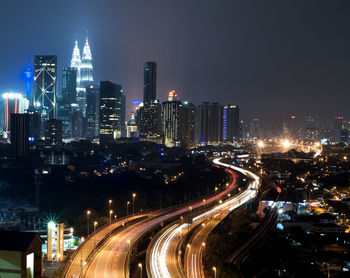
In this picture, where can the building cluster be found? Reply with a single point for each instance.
(309, 128)
(96, 112)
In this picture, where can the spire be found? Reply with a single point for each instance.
(76, 61)
(86, 57)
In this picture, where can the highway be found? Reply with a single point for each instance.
(75, 264)
(112, 259)
(163, 259)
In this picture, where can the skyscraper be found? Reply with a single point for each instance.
(187, 121)
(111, 112)
(150, 123)
(86, 68)
(231, 125)
(170, 123)
(45, 87)
(92, 112)
(84, 72)
(210, 123)
(150, 83)
(69, 85)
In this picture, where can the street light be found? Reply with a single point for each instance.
(87, 217)
(95, 224)
(110, 217)
(127, 208)
(140, 267)
(190, 209)
(109, 204)
(133, 203)
(214, 269)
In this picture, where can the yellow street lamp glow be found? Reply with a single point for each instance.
(140, 265)
(88, 212)
(261, 144)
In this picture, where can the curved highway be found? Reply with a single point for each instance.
(112, 259)
(163, 260)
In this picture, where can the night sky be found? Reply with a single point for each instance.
(273, 58)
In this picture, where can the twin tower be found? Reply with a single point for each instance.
(84, 67)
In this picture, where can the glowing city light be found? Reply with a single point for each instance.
(286, 143)
(261, 144)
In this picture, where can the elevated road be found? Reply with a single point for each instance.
(163, 258)
(112, 259)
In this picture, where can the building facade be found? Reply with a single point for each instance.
(112, 104)
(150, 83)
(45, 86)
(92, 112)
(231, 123)
(210, 123)
(20, 134)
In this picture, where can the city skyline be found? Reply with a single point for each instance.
(224, 66)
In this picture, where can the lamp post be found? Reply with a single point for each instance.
(127, 208)
(95, 224)
(133, 203)
(140, 267)
(110, 217)
(214, 269)
(87, 218)
(109, 204)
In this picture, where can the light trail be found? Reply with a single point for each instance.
(159, 259)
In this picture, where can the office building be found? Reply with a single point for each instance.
(45, 87)
(34, 125)
(112, 104)
(20, 134)
(231, 124)
(92, 112)
(150, 83)
(210, 123)
(53, 133)
(149, 122)
(170, 123)
(187, 122)
(69, 85)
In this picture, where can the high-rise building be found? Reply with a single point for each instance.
(150, 83)
(45, 87)
(231, 124)
(210, 123)
(187, 121)
(112, 104)
(171, 122)
(53, 133)
(20, 134)
(69, 85)
(86, 68)
(149, 122)
(92, 112)
(76, 62)
(34, 125)
(84, 72)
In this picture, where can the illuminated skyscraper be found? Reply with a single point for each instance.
(86, 68)
(231, 125)
(84, 72)
(76, 61)
(112, 116)
(149, 122)
(45, 87)
(150, 83)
